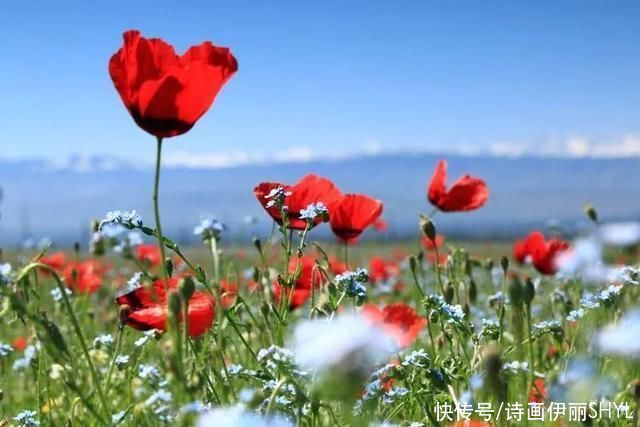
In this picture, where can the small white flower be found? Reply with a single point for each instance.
(621, 338)
(128, 219)
(347, 341)
(5, 271)
(57, 294)
(5, 350)
(313, 211)
(103, 340)
(118, 417)
(159, 396)
(26, 418)
(209, 228)
(148, 372)
(121, 360)
(238, 416)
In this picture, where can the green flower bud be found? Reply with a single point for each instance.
(187, 288)
(427, 227)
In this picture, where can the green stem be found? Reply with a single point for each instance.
(76, 328)
(116, 351)
(156, 211)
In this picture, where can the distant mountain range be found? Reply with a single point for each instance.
(58, 201)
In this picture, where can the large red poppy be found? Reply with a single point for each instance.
(147, 308)
(466, 194)
(310, 189)
(398, 320)
(542, 253)
(149, 253)
(84, 276)
(351, 214)
(310, 277)
(166, 93)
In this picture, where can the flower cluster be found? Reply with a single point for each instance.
(209, 228)
(353, 283)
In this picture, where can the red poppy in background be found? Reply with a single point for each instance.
(228, 293)
(381, 270)
(336, 265)
(149, 253)
(542, 253)
(398, 320)
(351, 214)
(147, 308)
(165, 93)
(309, 278)
(19, 343)
(310, 189)
(84, 276)
(431, 246)
(56, 260)
(466, 194)
(380, 225)
(538, 392)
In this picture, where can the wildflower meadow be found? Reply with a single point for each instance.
(295, 330)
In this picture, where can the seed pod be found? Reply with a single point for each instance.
(258, 244)
(168, 263)
(591, 212)
(175, 305)
(187, 288)
(504, 263)
(516, 292)
(449, 293)
(529, 291)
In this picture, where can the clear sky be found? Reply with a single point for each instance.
(330, 76)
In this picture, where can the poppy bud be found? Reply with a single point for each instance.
(529, 291)
(504, 263)
(449, 293)
(168, 264)
(473, 291)
(258, 244)
(175, 305)
(200, 276)
(76, 248)
(427, 227)
(187, 288)
(591, 212)
(516, 292)
(125, 310)
(466, 309)
(420, 256)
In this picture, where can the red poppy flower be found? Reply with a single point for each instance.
(165, 93)
(310, 189)
(542, 253)
(398, 320)
(56, 260)
(228, 293)
(19, 343)
(538, 392)
(149, 254)
(309, 278)
(380, 225)
(147, 308)
(85, 276)
(351, 214)
(381, 270)
(466, 194)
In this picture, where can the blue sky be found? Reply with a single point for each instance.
(332, 76)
